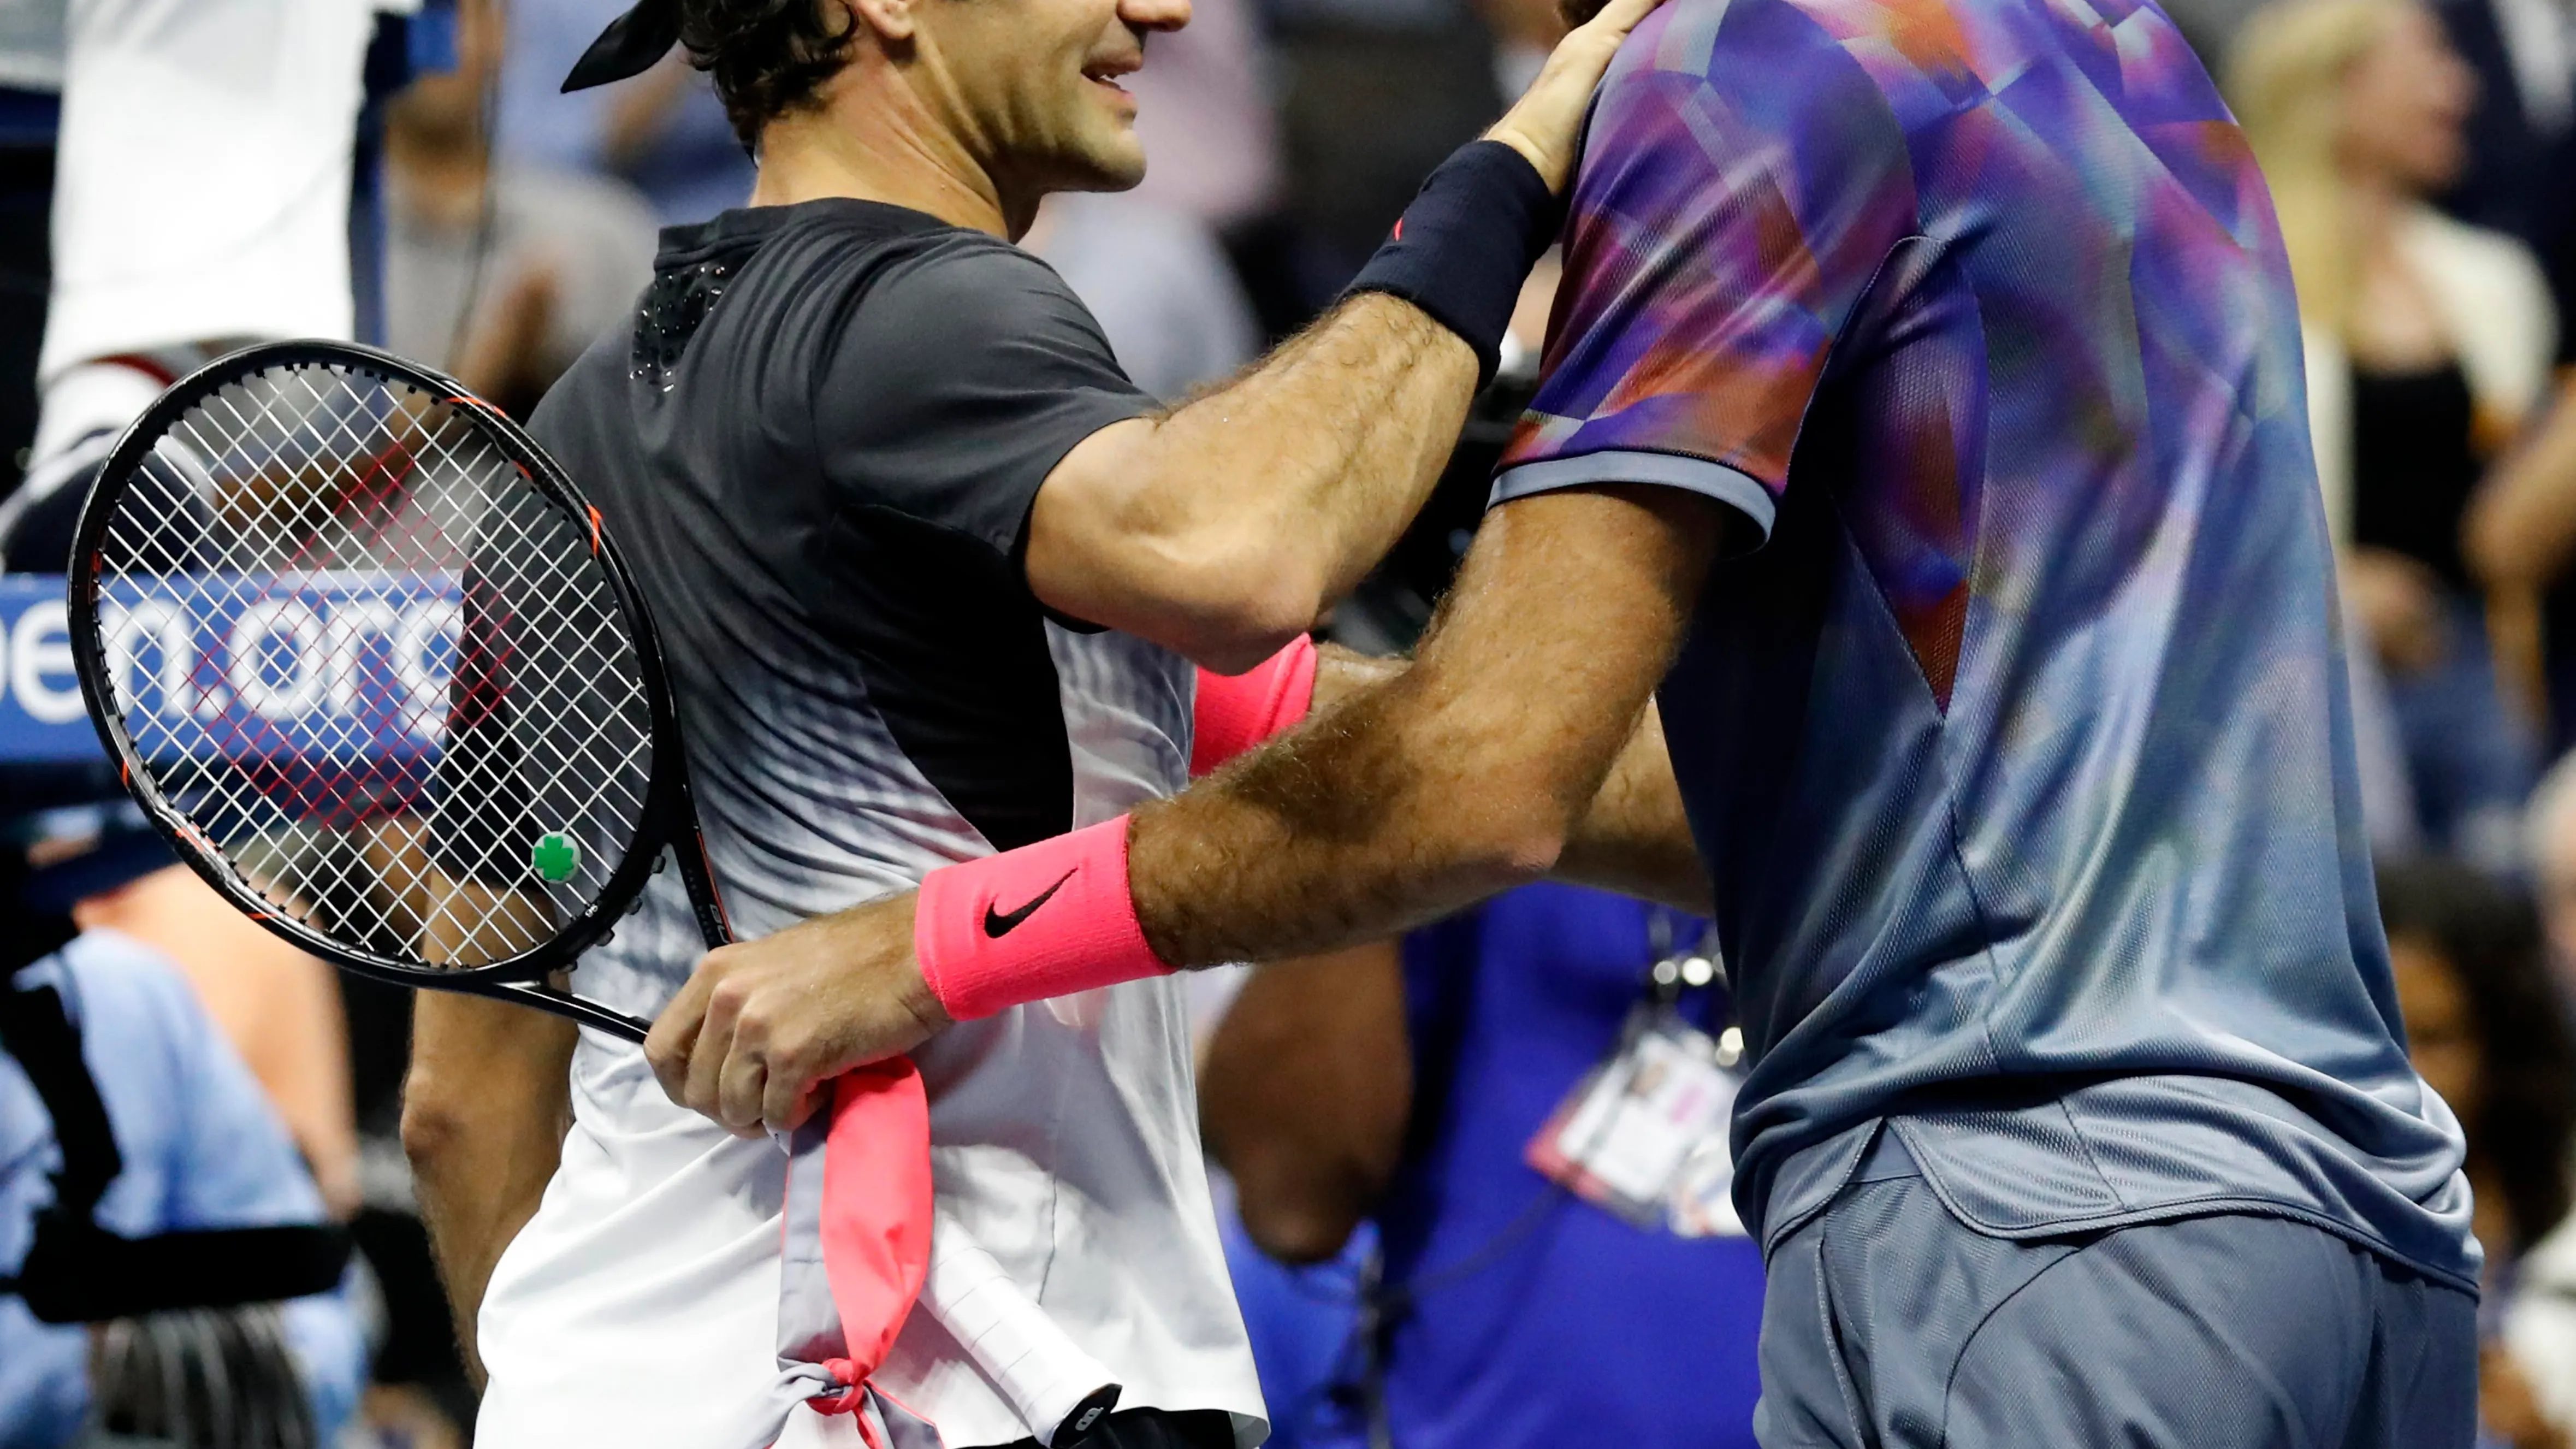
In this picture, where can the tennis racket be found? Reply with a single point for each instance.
(375, 668)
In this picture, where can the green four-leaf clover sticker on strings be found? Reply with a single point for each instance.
(556, 856)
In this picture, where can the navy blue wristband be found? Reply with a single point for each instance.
(1466, 244)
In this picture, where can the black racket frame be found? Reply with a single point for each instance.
(670, 813)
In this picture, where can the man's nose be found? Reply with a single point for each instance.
(1155, 14)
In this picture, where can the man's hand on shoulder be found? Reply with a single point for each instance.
(1223, 528)
(762, 1024)
(1546, 123)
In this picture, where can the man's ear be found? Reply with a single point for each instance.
(892, 21)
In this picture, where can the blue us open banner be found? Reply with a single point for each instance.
(41, 718)
(315, 668)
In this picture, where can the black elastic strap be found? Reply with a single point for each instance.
(1156, 1429)
(78, 1272)
(1466, 245)
(632, 44)
(35, 1031)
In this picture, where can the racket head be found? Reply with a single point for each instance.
(369, 661)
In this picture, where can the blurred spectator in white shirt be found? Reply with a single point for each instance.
(197, 192)
(2428, 347)
(2521, 173)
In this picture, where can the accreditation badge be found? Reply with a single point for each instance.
(1644, 1134)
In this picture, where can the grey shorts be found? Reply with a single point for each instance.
(1888, 1322)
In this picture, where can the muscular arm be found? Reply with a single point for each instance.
(485, 1108)
(1305, 1095)
(1223, 528)
(1307, 1089)
(1632, 839)
(1468, 774)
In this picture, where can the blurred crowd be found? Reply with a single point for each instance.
(1414, 1268)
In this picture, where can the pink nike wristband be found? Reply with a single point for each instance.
(1237, 712)
(1044, 920)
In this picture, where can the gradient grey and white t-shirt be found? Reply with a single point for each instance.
(818, 449)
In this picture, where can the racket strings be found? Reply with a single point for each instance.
(380, 673)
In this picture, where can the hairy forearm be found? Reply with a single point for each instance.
(1337, 440)
(1342, 831)
(1224, 527)
(485, 1108)
(1461, 777)
(1633, 838)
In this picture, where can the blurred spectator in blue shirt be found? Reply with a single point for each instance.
(662, 131)
(1404, 1086)
(199, 1143)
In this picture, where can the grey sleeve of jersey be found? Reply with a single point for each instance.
(960, 378)
(1621, 465)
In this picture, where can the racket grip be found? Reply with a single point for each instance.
(1060, 1391)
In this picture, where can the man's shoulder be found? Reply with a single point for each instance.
(877, 242)
(840, 273)
(1704, 86)
(1719, 41)
(595, 380)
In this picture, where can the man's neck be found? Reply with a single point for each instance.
(873, 138)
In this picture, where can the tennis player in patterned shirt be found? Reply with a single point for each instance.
(1923, 429)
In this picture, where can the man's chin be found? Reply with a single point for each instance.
(1107, 170)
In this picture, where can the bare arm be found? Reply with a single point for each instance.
(1305, 1096)
(2521, 528)
(1467, 775)
(485, 1108)
(1632, 839)
(1224, 528)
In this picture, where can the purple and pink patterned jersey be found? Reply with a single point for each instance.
(2020, 751)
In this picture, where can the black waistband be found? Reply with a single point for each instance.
(1158, 1429)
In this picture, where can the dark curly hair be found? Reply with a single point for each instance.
(768, 57)
(2491, 936)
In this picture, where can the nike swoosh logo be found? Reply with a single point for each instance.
(998, 924)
